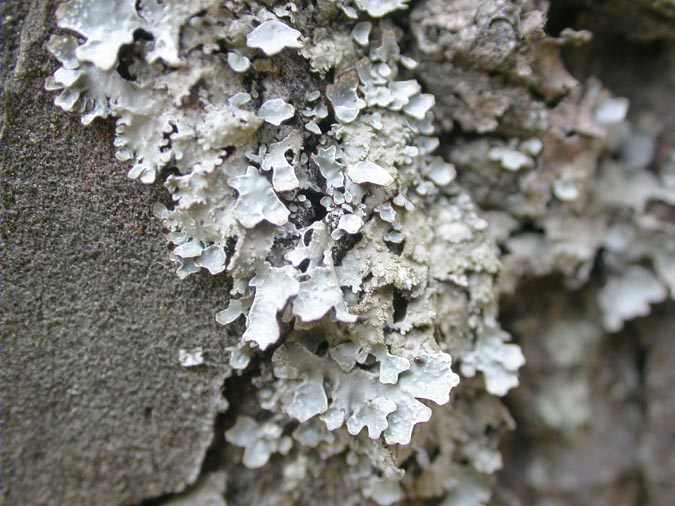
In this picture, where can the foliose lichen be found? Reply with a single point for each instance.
(300, 163)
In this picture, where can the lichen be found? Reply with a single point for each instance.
(363, 270)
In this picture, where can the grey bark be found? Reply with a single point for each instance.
(95, 407)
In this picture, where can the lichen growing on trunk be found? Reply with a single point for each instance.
(371, 181)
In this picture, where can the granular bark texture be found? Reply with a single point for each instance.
(96, 408)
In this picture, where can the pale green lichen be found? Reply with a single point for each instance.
(345, 238)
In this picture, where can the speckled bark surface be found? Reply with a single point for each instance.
(96, 408)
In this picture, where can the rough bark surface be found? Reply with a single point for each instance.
(96, 408)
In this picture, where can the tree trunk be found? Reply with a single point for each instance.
(100, 401)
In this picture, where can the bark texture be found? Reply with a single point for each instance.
(95, 409)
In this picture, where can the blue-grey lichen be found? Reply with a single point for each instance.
(565, 184)
(354, 255)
